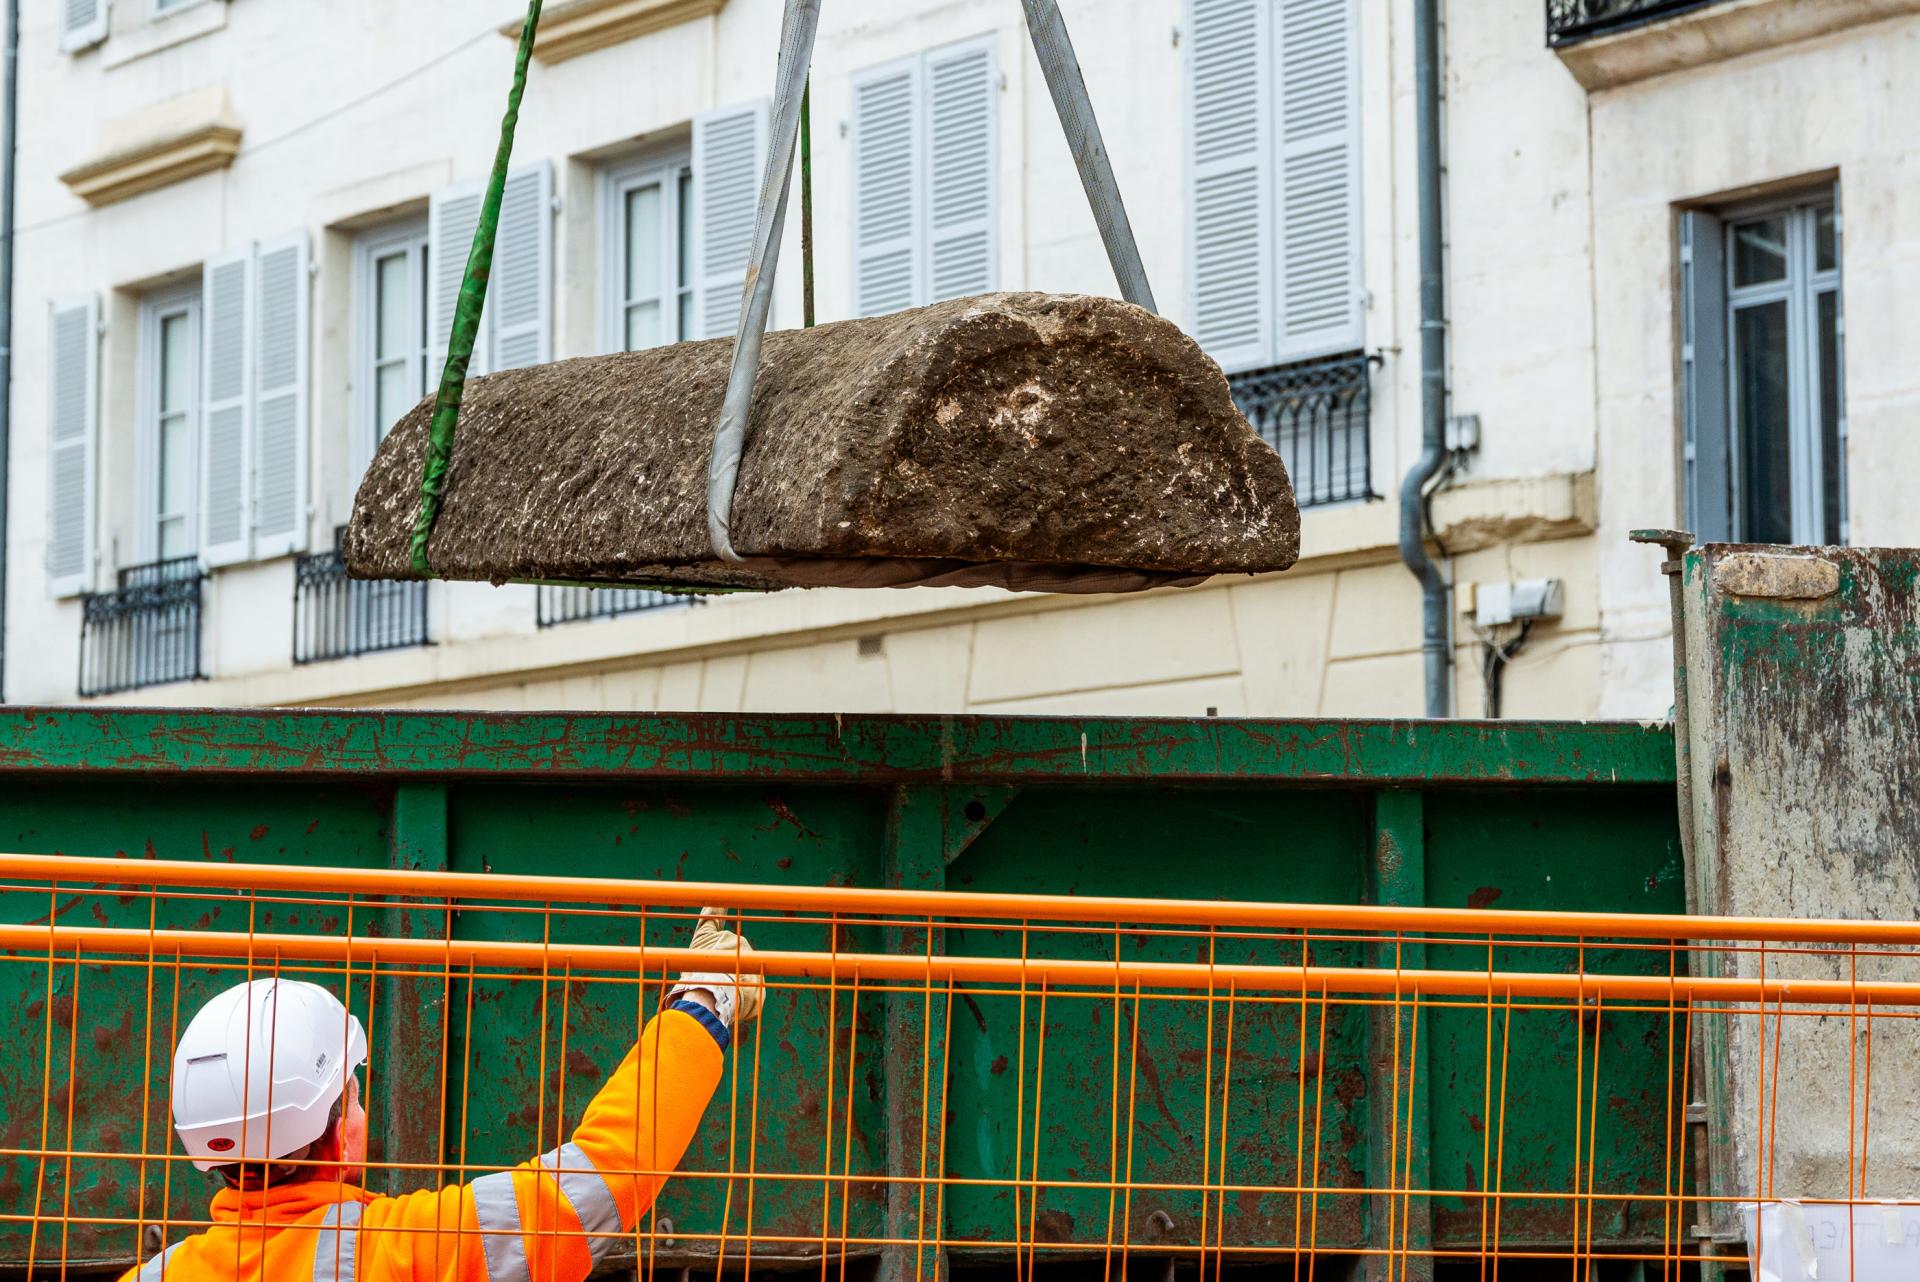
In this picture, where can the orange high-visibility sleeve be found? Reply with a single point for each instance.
(553, 1218)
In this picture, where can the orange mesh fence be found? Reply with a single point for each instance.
(947, 1083)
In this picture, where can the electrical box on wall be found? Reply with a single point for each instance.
(1518, 602)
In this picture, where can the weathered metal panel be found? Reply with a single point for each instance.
(1550, 815)
(846, 749)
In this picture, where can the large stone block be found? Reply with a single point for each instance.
(1051, 442)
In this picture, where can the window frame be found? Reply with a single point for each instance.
(1800, 289)
(155, 308)
(158, 9)
(369, 247)
(667, 167)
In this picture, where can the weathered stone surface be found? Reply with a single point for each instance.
(1027, 440)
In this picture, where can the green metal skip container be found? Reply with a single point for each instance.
(1505, 815)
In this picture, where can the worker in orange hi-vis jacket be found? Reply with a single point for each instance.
(265, 1094)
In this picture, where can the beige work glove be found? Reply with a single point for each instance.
(737, 996)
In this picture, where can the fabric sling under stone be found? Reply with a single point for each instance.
(799, 22)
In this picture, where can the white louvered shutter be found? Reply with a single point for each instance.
(280, 397)
(72, 430)
(729, 153)
(960, 93)
(226, 411)
(1229, 180)
(453, 215)
(520, 291)
(1319, 177)
(82, 23)
(885, 190)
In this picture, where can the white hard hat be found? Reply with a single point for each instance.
(259, 1068)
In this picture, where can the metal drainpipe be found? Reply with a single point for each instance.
(1435, 647)
(10, 104)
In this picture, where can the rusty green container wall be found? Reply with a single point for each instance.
(1510, 814)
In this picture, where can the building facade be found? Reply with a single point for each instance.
(1681, 238)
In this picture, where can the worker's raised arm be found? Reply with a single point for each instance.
(554, 1218)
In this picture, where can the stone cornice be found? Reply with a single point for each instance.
(574, 27)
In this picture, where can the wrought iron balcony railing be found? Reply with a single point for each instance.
(336, 617)
(146, 632)
(1316, 415)
(1569, 21)
(570, 605)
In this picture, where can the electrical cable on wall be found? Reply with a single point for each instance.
(1495, 655)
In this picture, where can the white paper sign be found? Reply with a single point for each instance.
(1821, 1242)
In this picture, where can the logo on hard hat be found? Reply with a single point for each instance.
(219, 1143)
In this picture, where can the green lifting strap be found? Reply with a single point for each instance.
(466, 312)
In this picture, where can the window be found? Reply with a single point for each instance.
(1765, 446)
(924, 160)
(647, 250)
(170, 423)
(394, 366)
(1273, 180)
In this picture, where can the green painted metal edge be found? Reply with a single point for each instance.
(826, 748)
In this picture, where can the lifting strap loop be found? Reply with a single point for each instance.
(466, 312)
(797, 26)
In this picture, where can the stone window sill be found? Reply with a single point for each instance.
(574, 27)
(166, 143)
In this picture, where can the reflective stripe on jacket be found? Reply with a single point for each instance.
(536, 1221)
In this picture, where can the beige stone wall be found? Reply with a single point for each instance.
(1334, 642)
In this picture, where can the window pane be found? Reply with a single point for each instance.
(174, 540)
(390, 306)
(1832, 463)
(391, 395)
(431, 361)
(1760, 392)
(643, 243)
(176, 355)
(686, 315)
(176, 463)
(643, 326)
(1826, 245)
(1760, 251)
(685, 269)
